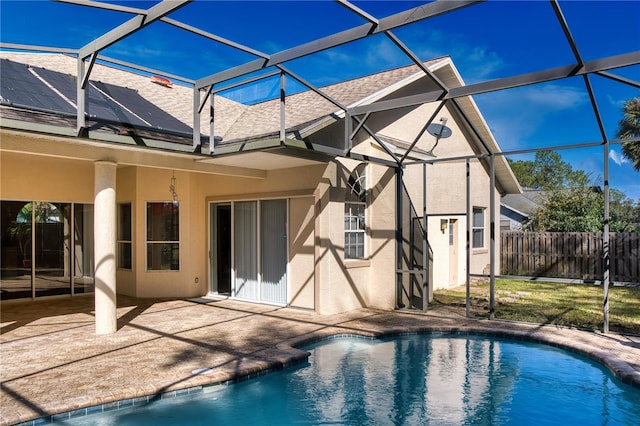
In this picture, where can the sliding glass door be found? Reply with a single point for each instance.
(44, 247)
(245, 253)
(248, 243)
(52, 250)
(15, 244)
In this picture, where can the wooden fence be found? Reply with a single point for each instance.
(574, 255)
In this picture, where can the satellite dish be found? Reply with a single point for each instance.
(439, 130)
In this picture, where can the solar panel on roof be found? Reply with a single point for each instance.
(52, 91)
(21, 88)
(98, 105)
(155, 116)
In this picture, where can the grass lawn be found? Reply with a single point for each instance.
(572, 305)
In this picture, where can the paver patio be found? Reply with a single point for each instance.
(52, 361)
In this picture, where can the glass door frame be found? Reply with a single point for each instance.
(68, 242)
(212, 250)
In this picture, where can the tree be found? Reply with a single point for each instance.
(547, 172)
(629, 127)
(570, 210)
(571, 201)
(625, 216)
(582, 210)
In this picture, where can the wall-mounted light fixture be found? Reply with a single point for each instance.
(444, 224)
(173, 187)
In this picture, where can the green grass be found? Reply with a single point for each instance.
(571, 305)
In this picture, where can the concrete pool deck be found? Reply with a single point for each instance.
(52, 362)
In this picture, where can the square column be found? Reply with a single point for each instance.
(104, 216)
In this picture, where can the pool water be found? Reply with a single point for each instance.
(409, 380)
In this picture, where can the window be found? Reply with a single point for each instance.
(478, 227)
(163, 245)
(46, 249)
(124, 236)
(355, 228)
(355, 225)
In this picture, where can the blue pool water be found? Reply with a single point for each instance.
(409, 380)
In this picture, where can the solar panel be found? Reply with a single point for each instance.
(155, 116)
(98, 106)
(21, 88)
(52, 91)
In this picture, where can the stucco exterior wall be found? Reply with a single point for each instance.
(152, 185)
(301, 291)
(341, 287)
(382, 247)
(446, 192)
(36, 178)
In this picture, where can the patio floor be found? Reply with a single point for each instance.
(52, 362)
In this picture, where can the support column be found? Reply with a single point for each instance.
(81, 97)
(399, 217)
(104, 235)
(283, 97)
(606, 277)
(492, 238)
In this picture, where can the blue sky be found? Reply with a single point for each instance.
(492, 40)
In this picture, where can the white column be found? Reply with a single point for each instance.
(104, 217)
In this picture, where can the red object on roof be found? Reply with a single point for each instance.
(161, 81)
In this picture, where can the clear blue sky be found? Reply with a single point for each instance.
(492, 40)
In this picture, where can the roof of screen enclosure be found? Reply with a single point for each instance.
(212, 77)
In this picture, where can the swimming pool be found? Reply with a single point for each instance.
(409, 380)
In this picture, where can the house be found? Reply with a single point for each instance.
(516, 209)
(288, 215)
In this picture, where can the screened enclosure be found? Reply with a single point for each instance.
(547, 76)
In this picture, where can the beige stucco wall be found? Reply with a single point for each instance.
(382, 247)
(340, 285)
(140, 185)
(36, 178)
(446, 190)
(346, 284)
(301, 289)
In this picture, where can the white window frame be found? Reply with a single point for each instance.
(359, 229)
(475, 228)
(120, 241)
(356, 196)
(148, 242)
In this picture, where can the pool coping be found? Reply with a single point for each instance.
(288, 354)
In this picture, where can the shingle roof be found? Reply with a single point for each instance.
(177, 100)
(233, 121)
(308, 106)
